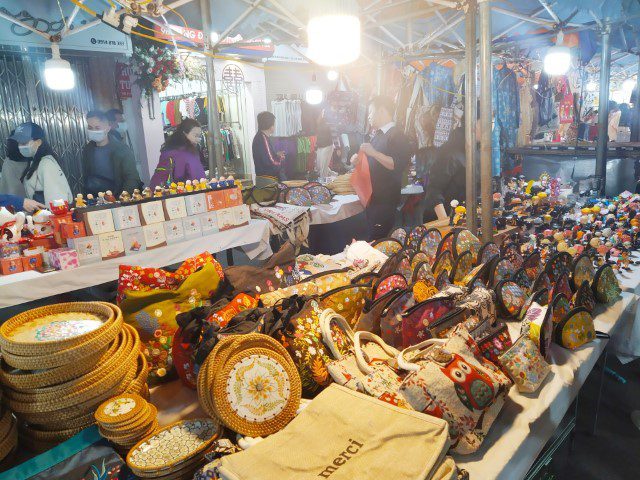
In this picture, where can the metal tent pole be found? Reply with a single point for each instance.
(485, 121)
(636, 130)
(603, 109)
(470, 109)
(214, 137)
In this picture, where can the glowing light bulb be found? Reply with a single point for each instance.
(334, 39)
(58, 74)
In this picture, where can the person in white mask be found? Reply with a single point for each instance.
(43, 179)
(117, 125)
(107, 164)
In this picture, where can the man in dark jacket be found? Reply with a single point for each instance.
(267, 162)
(107, 164)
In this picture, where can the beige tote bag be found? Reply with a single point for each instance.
(346, 435)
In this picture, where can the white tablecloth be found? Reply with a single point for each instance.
(341, 207)
(527, 421)
(27, 286)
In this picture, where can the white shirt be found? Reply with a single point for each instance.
(50, 179)
(387, 127)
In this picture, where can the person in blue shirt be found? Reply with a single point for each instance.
(19, 203)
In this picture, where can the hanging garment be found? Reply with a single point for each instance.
(506, 108)
(170, 113)
(526, 110)
(177, 114)
(201, 115)
(565, 111)
(545, 96)
(439, 87)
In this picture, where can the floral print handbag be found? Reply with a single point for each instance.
(413, 325)
(391, 320)
(450, 379)
(495, 343)
(347, 301)
(511, 298)
(605, 285)
(525, 365)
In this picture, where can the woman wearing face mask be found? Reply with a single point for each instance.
(180, 156)
(12, 167)
(43, 179)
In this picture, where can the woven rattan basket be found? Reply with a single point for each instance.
(10, 441)
(8, 328)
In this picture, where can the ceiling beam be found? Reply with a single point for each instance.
(243, 16)
(285, 11)
(526, 18)
(455, 34)
(547, 7)
(444, 29)
(518, 24)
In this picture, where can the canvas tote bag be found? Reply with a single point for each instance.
(346, 435)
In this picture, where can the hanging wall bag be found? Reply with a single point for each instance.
(525, 365)
(450, 380)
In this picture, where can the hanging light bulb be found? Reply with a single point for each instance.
(629, 84)
(334, 32)
(313, 95)
(592, 86)
(558, 58)
(267, 40)
(214, 36)
(58, 74)
(332, 75)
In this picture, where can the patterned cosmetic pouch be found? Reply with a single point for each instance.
(415, 236)
(391, 265)
(298, 196)
(399, 234)
(462, 266)
(495, 343)
(464, 240)
(302, 337)
(347, 301)
(512, 253)
(605, 285)
(319, 193)
(446, 245)
(543, 282)
(388, 246)
(418, 258)
(525, 365)
(404, 267)
(307, 289)
(562, 286)
(558, 264)
(583, 270)
(511, 298)
(522, 279)
(540, 297)
(369, 321)
(394, 281)
(503, 270)
(576, 329)
(444, 263)
(449, 379)
(481, 303)
(443, 280)
(414, 325)
(422, 271)
(423, 290)
(391, 320)
(538, 325)
(532, 266)
(584, 297)
(561, 306)
(477, 276)
(487, 252)
(429, 243)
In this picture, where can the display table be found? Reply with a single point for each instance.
(527, 421)
(340, 208)
(28, 286)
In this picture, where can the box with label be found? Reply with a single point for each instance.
(174, 207)
(126, 216)
(73, 230)
(88, 249)
(111, 245)
(233, 197)
(216, 200)
(192, 227)
(174, 231)
(151, 212)
(9, 250)
(65, 258)
(133, 241)
(196, 203)
(225, 219)
(9, 266)
(31, 262)
(154, 236)
(98, 221)
(241, 215)
(209, 223)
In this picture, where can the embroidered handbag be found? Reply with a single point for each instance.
(478, 276)
(347, 301)
(391, 321)
(395, 281)
(414, 325)
(495, 342)
(449, 379)
(525, 365)
(443, 280)
(307, 289)
(582, 270)
(584, 297)
(511, 298)
(605, 285)
(538, 325)
(429, 243)
(576, 329)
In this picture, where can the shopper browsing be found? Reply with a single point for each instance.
(107, 163)
(388, 154)
(12, 167)
(117, 125)
(43, 179)
(267, 162)
(180, 157)
(19, 203)
(324, 145)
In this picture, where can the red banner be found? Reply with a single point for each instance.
(123, 80)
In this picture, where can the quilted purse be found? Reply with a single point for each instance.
(537, 324)
(298, 196)
(464, 240)
(495, 342)
(395, 281)
(347, 301)
(584, 297)
(388, 246)
(582, 270)
(487, 252)
(525, 365)
(575, 329)
(429, 243)
(605, 285)
(462, 266)
(449, 379)
(511, 298)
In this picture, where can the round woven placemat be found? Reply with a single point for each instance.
(108, 414)
(228, 415)
(10, 441)
(7, 329)
(54, 436)
(205, 377)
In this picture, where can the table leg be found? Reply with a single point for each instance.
(602, 372)
(575, 419)
(229, 256)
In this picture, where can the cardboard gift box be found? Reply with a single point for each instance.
(126, 216)
(192, 227)
(88, 249)
(73, 230)
(133, 240)
(9, 266)
(64, 258)
(196, 203)
(225, 219)
(241, 215)
(9, 250)
(174, 207)
(151, 212)
(98, 221)
(154, 236)
(173, 231)
(111, 245)
(233, 197)
(46, 243)
(58, 222)
(31, 262)
(209, 223)
(216, 200)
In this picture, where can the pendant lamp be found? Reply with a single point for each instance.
(58, 74)
(334, 32)
(313, 96)
(558, 58)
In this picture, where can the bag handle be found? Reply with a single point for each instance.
(372, 337)
(413, 367)
(326, 317)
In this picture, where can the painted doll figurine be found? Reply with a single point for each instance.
(80, 201)
(109, 197)
(188, 186)
(180, 187)
(203, 184)
(124, 197)
(157, 193)
(173, 189)
(101, 200)
(90, 199)
(136, 195)
(146, 193)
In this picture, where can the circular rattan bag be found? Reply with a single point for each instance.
(257, 392)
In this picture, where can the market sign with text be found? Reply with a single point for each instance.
(192, 37)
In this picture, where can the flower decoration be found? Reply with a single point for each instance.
(155, 66)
